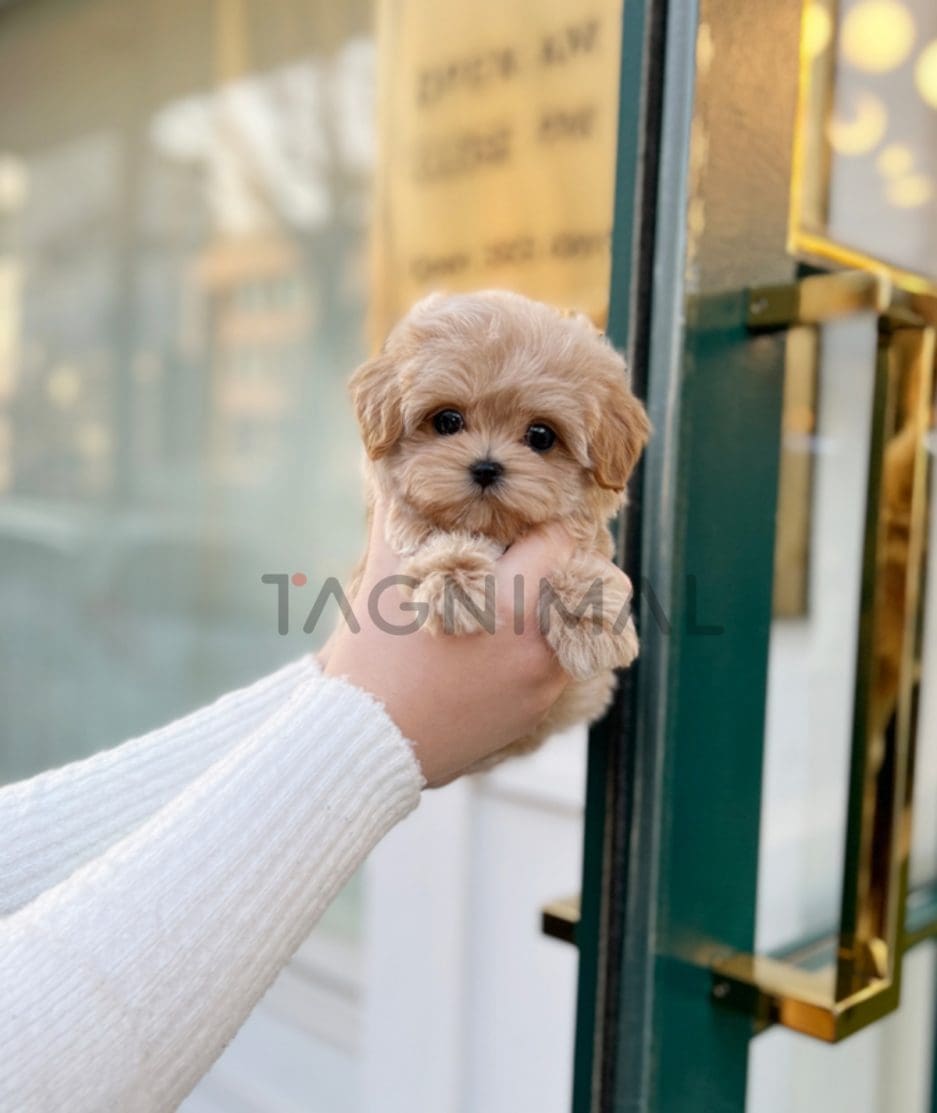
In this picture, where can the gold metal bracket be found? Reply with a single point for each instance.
(797, 989)
(819, 298)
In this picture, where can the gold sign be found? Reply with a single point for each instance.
(498, 127)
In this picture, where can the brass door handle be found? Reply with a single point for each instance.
(837, 986)
(832, 987)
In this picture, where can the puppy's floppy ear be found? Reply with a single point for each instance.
(622, 433)
(376, 397)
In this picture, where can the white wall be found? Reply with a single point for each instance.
(470, 1009)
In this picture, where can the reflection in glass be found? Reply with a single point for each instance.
(887, 694)
(183, 222)
(846, 702)
(182, 296)
(811, 671)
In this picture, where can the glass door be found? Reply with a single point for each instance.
(758, 911)
(183, 236)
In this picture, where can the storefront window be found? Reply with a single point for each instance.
(184, 203)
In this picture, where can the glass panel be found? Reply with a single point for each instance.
(185, 200)
(812, 656)
(866, 176)
(181, 275)
(184, 195)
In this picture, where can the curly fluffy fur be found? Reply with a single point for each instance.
(504, 362)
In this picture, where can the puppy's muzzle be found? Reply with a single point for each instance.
(486, 472)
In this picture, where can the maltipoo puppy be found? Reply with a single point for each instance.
(483, 416)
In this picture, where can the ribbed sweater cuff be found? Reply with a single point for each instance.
(122, 985)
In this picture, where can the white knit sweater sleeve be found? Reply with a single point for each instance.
(60, 819)
(121, 985)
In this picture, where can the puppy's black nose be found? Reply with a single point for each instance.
(486, 472)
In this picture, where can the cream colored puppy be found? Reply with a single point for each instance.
(487, 414)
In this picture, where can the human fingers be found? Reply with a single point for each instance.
(381, 560)
(536, 557)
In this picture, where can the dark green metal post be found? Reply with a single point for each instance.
(610, 767)
(675, 771)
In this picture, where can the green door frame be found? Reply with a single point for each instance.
(612, 768)
(708, 90)
(670, 879)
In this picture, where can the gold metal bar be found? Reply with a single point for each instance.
(783, 991)
(825, 297)
(818, 298)
(777, 994)
(812, 155)
(878, 757)
(819, 249)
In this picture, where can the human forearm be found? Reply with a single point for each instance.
(54, 823)
(122, 985)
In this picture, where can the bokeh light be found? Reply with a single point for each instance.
(877, 35)
(925, 74)
(910, 192)
(63, 386)
(862, 133)
(14, 183)
(895, 160)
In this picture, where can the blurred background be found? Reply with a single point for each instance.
(186, 196)
(210, 212)
(182, 295)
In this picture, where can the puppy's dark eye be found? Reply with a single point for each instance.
(447, 422)
(540, 438)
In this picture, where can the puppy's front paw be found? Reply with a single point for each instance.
(454, 582)
(586, 617)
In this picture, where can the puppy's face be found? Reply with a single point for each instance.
(492, 413)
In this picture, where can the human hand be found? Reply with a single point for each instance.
(457, 698)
